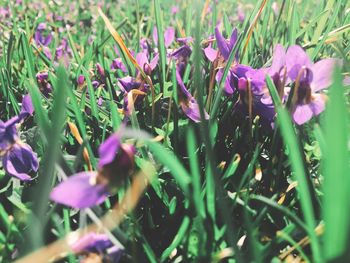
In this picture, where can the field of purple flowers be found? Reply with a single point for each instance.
(174, 131)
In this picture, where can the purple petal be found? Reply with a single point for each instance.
(182, 52)
(155, 35)
(118, 64)
(241, 70)
(191, 109)
(233, 38)
(169, 36)
(302, 114)
(108, 150)
(27, 106)
(41, 26)
(278, 60)
(222, 44)
(79, 191)
(184, 40)
(153, 63)
(19, 161)
(318, 104)
(210, 53)
(323, 73)
(142, 59)
(229, 85)
(81, 80)
(296, 58)
(92, 241)
(188, 104)
(128, 83)
(183, 88)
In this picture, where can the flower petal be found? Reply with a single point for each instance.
(108, 150)
(78, 191)
(210, 53)
(323, 73)
(278, 59)
(19, 161)
(318, 104)
(92, 241)
(302, 114)
(296, 58)
(169, 36)
(191, 110)
(222, 44)
(27, 106)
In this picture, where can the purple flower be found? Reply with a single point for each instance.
(98, 243)
(43, 81)
(309, 79)
(210, 53)
(188, 104)
(81, 81)
(27, 107)
(18, 158)
(100, 70)
(225, 46)
(40, 38)
(118, 64)
(87, 189)
(80, 191)
(145, 64)
(174, 10)
(169, 36)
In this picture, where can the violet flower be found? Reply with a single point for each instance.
(309, 79)
(18, 158)
(100, 244)
(188, 103)
(225, 46)
(39, 36)
(118, 64)
(43, 81)
(87, 189)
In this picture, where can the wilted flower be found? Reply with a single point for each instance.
(86, 189)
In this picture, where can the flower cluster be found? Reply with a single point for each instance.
(295, 76)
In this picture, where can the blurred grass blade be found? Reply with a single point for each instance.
(336, 173)
(46, 175)
(173, 164)
(161, 45)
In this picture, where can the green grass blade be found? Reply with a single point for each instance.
(291, 143)
(336, 173)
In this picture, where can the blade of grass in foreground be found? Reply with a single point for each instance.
(179, 173)
(336, 173)
(290, 141)
(161, 45)
(53, 136)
